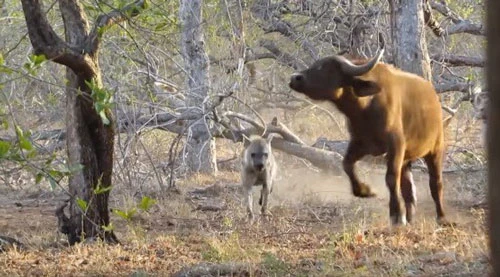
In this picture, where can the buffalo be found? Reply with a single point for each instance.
(389, 112)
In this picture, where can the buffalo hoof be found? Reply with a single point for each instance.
(266, 214)
(251, 218)
(445, 222)
(397, 221)
(363, 191)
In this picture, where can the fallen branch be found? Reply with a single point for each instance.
(325, 160)
(445, 87)
(459, 60)
(289, 143)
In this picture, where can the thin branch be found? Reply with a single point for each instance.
(45, 40)
(460, 25)
(105, 21)
(280, 56)
(430, 21)
(287, 30)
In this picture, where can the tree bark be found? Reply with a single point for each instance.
(200, 147)
(493, 130)
(89, 141)
(408, 34)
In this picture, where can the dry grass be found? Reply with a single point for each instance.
(317, 227)
(310, 236)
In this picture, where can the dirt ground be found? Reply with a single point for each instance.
(317, 229)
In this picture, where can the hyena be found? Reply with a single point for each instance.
(258, 167)
(480, 103)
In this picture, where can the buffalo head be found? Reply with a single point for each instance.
(322, 79)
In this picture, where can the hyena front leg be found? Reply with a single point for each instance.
(247, 184)
(249, 200)
(264, 197)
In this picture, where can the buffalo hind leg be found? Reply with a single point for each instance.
(395, 155)
(355, 152)
(434, 165)
(409, 192)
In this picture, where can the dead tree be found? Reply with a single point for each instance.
(200, 148)
(408, 36)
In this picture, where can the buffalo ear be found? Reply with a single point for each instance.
(364, 88)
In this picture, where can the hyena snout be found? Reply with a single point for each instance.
(259, 167)
(259, 161)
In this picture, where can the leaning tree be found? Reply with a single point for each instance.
(89, 121)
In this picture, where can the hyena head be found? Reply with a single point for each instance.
(258, 153)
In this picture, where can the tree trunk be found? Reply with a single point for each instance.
(200, 148)
(493, 131)
(89, 140)
(408, 37)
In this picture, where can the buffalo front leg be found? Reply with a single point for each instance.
(355, 152)
(393, 179)
(409, 192)
(434, 165)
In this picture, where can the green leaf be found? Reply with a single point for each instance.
(100, 189)
(6, 70)
(82, 204)
(25, 144)
(55, 174)
(38, 178)
(19, 132)
(53, 186)
(39, 59)
(31, 154)
(108, 228)
(127, 215)
(4, 148)
(104, 118)
(146, 203)
(160, 26)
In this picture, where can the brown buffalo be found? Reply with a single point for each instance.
(389, 112)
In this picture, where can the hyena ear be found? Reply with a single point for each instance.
(246, 140)
(270, 138)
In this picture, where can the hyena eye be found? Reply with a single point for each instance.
(264, 154)
(253, 155)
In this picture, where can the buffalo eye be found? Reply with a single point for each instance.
(297, 77)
